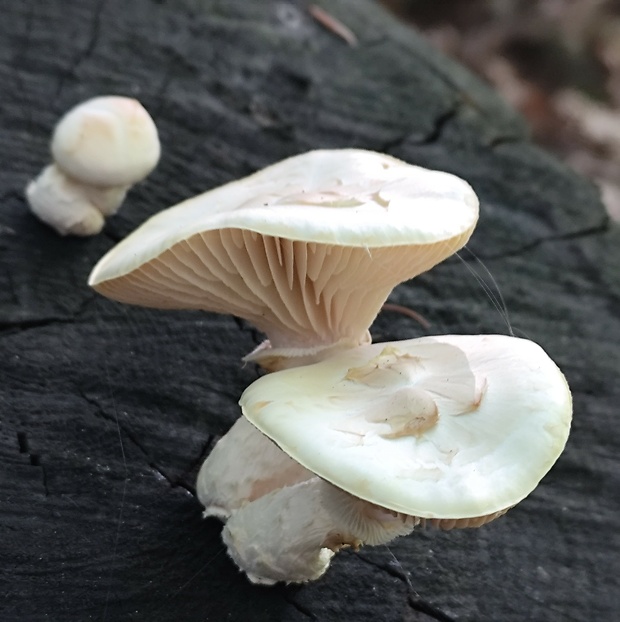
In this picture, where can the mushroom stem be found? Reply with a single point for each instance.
(275, 359)
(70, 206)
(291, 534)
(243, 466)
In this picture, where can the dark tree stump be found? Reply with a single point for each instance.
(107, 411)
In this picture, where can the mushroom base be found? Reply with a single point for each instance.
(69, 206)
(283, 522)
(243, 466)
(291, 534)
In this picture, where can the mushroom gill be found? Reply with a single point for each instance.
(301, 294)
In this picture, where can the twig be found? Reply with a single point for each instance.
(390, 306)
(333, 25)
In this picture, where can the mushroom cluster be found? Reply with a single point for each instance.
(345, 443)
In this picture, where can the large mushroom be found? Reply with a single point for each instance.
(307, 249)
(454, 430)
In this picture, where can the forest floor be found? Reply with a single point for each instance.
(556, 61)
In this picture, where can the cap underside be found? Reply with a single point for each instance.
(307, 249)
(293, 291)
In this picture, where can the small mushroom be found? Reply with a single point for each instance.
(100, 149)
(307, 249)
(454, 430)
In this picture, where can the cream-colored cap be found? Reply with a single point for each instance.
(106, 141)
(450, 427)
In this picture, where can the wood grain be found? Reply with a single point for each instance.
(106, 411)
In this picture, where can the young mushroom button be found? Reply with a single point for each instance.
(451, 429)
(307, 249)
(100, 149)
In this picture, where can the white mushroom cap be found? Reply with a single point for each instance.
(106, 141)
(307, 249)
(454, 427)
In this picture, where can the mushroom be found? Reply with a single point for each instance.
(307, 249)
(453, 429)
(100, 149)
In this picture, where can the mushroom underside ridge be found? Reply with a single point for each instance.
(300, 294)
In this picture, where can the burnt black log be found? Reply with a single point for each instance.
(107, 411)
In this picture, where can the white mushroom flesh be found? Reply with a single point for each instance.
(243, 466)
(291, 534)
(62, 204)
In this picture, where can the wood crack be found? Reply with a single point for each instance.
(303, 610)
(44, 322)
(88, 50)
(598, 229)
(414, 600)
(35, 459)
(441, 122)
(176, 482)
(433, 135)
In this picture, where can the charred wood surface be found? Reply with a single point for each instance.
(107, 411)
